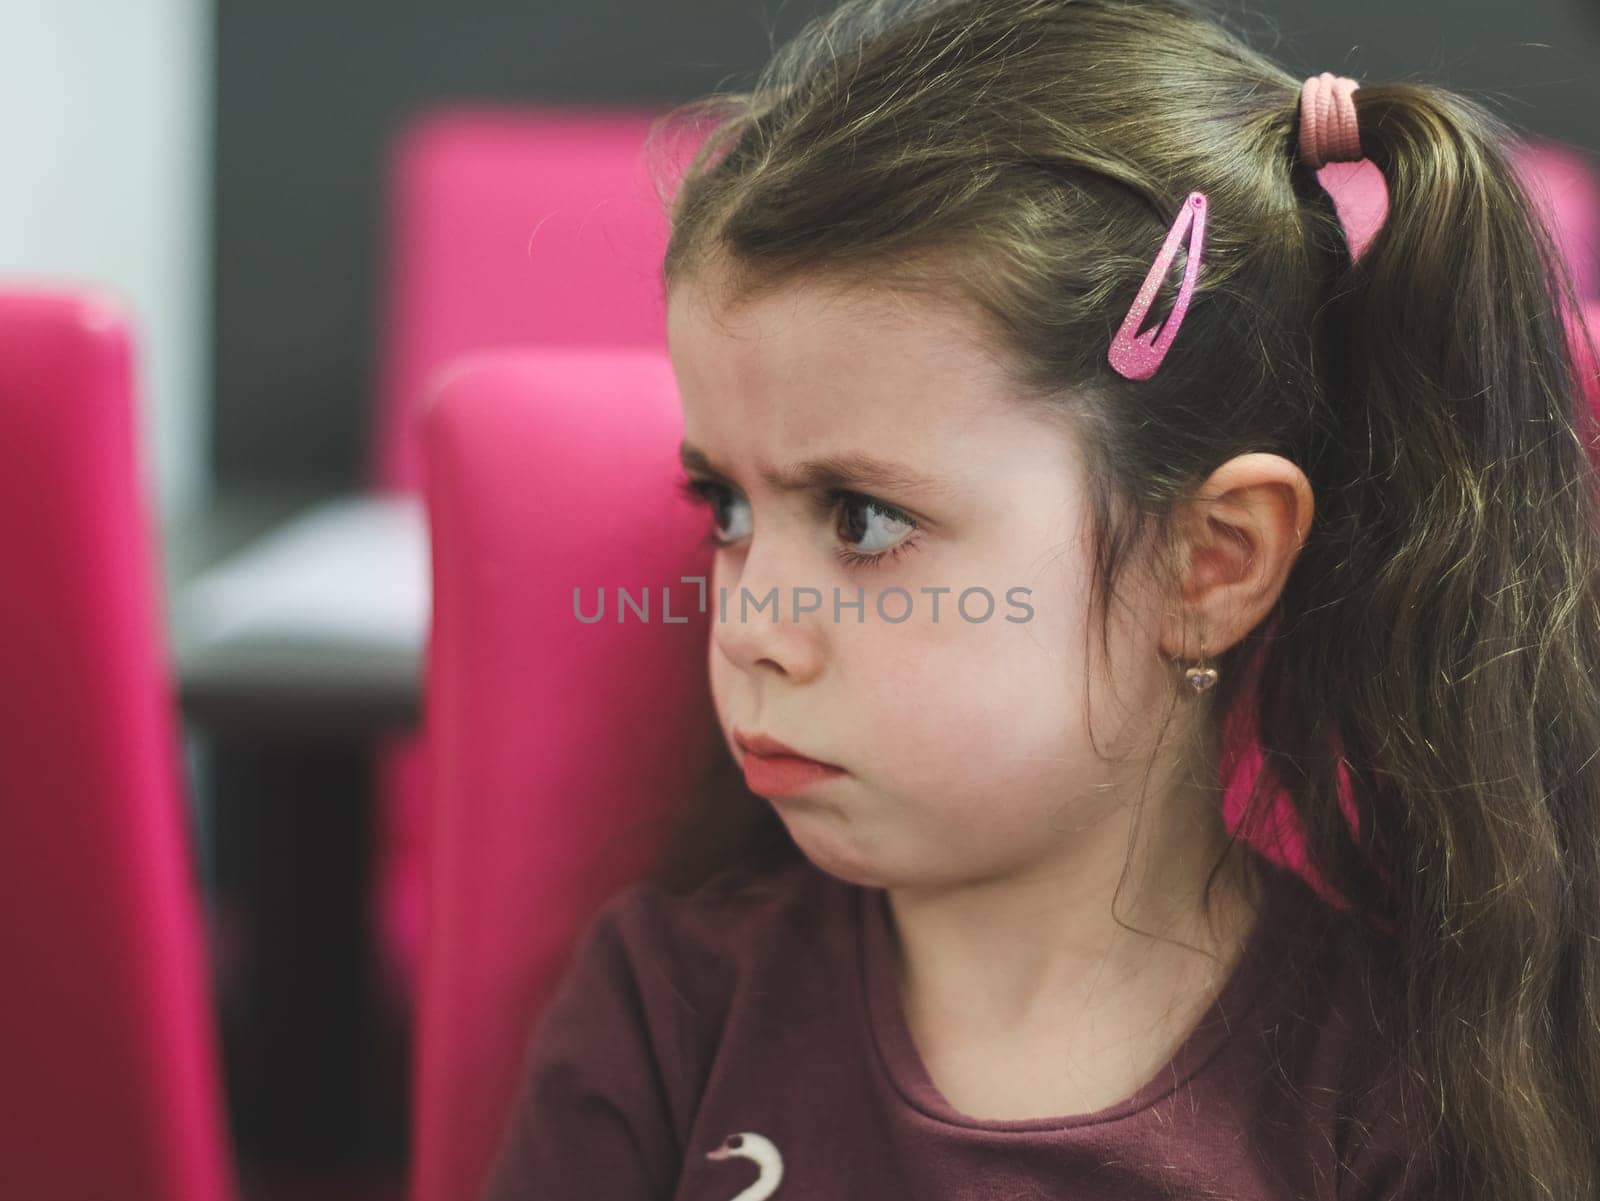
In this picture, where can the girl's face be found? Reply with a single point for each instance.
(964, 738)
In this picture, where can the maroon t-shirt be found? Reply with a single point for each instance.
(752, 1044)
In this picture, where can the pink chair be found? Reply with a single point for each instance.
(512, 227)
(1585, 338)
(1563, 182)
(1361, 198)
(109, 1084)
(505, 227)
(555, 744)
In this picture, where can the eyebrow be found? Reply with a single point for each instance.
(846, 470)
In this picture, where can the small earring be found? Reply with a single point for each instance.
(1201, 676)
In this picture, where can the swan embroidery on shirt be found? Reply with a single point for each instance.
(749, 1145)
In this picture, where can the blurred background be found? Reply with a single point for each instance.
(236, 172)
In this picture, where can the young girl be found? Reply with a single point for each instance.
(975, 923)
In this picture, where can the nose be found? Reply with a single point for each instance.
(768, 616)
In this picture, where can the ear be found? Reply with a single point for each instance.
(1240, 536)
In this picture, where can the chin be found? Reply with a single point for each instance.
(829, 853)
(850, 874)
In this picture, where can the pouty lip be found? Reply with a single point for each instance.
(764, 745)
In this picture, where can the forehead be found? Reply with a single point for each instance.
(819, 358)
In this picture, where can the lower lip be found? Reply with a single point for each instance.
(781, 775)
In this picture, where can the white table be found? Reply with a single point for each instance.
(296, 614)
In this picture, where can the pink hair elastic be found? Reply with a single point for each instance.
(1328, 129)
(1137, 355)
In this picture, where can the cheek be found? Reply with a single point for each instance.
(998, 706)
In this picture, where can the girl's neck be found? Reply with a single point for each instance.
(1005, 951)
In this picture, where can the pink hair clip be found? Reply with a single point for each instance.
(1138, 355)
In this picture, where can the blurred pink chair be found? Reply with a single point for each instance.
(511, 227)
(109, 1082)
(1564, 184)
(505, 227)
(1585, 338)
(554, 743)
(1361, 198)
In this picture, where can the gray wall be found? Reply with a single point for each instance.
(105, 120)
(308, 91)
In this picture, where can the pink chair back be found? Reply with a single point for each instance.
(1584, 335)
(512, 227)
(554, 744)
(1564, 184)
(1561, 181)
(109, 1085)
(1361, 198)
(506, 227)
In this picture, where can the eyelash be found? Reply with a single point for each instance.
(703, 491)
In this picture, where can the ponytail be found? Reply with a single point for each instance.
(1451, 592)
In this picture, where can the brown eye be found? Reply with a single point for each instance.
(878, 531)
(871, 526)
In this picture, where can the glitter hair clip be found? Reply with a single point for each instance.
(1138, 355)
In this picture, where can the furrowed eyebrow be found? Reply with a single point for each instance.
(847, 471)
